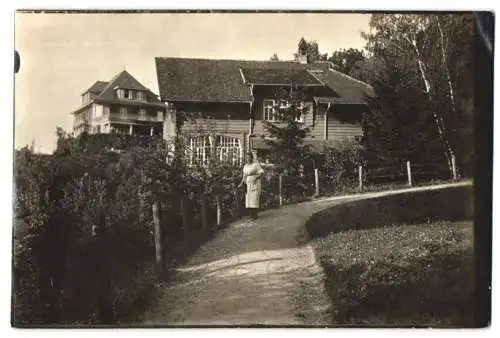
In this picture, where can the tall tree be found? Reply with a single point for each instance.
(428, 45)
(287, 131)
(347, 61)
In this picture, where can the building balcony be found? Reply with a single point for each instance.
(134, 118)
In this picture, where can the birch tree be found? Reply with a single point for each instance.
(427, 42)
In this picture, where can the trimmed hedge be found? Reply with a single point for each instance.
(403, 259)
(453, 203)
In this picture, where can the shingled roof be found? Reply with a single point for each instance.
(268, 76)
(212, 80)
(122, 80)
(97, 87)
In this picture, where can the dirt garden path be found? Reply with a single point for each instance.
(254, 272)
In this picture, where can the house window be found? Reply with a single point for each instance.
(142, 114)
(120, 93)
(269, 111)
(199, 151)
(106, 110)
(131, 94)
(123, 112)
(141, 96)
(159, 115)
(98, 110)
(228, 150)
(284, 104)
(300, 117)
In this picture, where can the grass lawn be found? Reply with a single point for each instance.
(400, 275)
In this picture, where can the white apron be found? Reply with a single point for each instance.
(250, 172)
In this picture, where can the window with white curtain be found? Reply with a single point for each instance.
(141, 96)
(199, 151)
(142, 114)
(228, 149)
(269, 111)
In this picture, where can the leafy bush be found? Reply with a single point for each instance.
(60, 199)
(340, 166)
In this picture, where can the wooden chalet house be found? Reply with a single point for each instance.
(236, 96)
(122, 105)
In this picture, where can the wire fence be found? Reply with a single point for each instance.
(279, 189)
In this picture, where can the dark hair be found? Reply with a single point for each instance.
(250, 154)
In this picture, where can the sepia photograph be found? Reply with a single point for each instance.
(252, 169)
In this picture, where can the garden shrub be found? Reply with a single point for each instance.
(61, 197)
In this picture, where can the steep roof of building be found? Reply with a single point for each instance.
(121, 80)
(97, 87)
(213, 80)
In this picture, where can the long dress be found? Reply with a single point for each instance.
(250, 171)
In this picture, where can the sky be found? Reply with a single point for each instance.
(64, 54)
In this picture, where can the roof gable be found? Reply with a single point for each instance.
(124, 80)
(121, 80)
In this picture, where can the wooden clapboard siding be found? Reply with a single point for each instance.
(317, 129)
(338, 130)
(315, 121)
(225, 118)
(233, 126)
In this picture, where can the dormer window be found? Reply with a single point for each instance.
(87, 97)
(130, 94)
(124, 94)
(141, 96)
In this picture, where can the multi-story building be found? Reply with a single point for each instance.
(237, 96)
(122, 105)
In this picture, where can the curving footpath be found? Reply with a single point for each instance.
(259, 272)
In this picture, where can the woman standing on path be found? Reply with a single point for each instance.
(252, 172)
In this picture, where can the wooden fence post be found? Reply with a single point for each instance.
(280, 178)
(219, 209)
(204, 226)
(360, 177)
(104, 299)
(185, 224)
(454, 167)
(316, 181)
(141, 195)
(408, 169)
(237, 200)
(157, 234)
